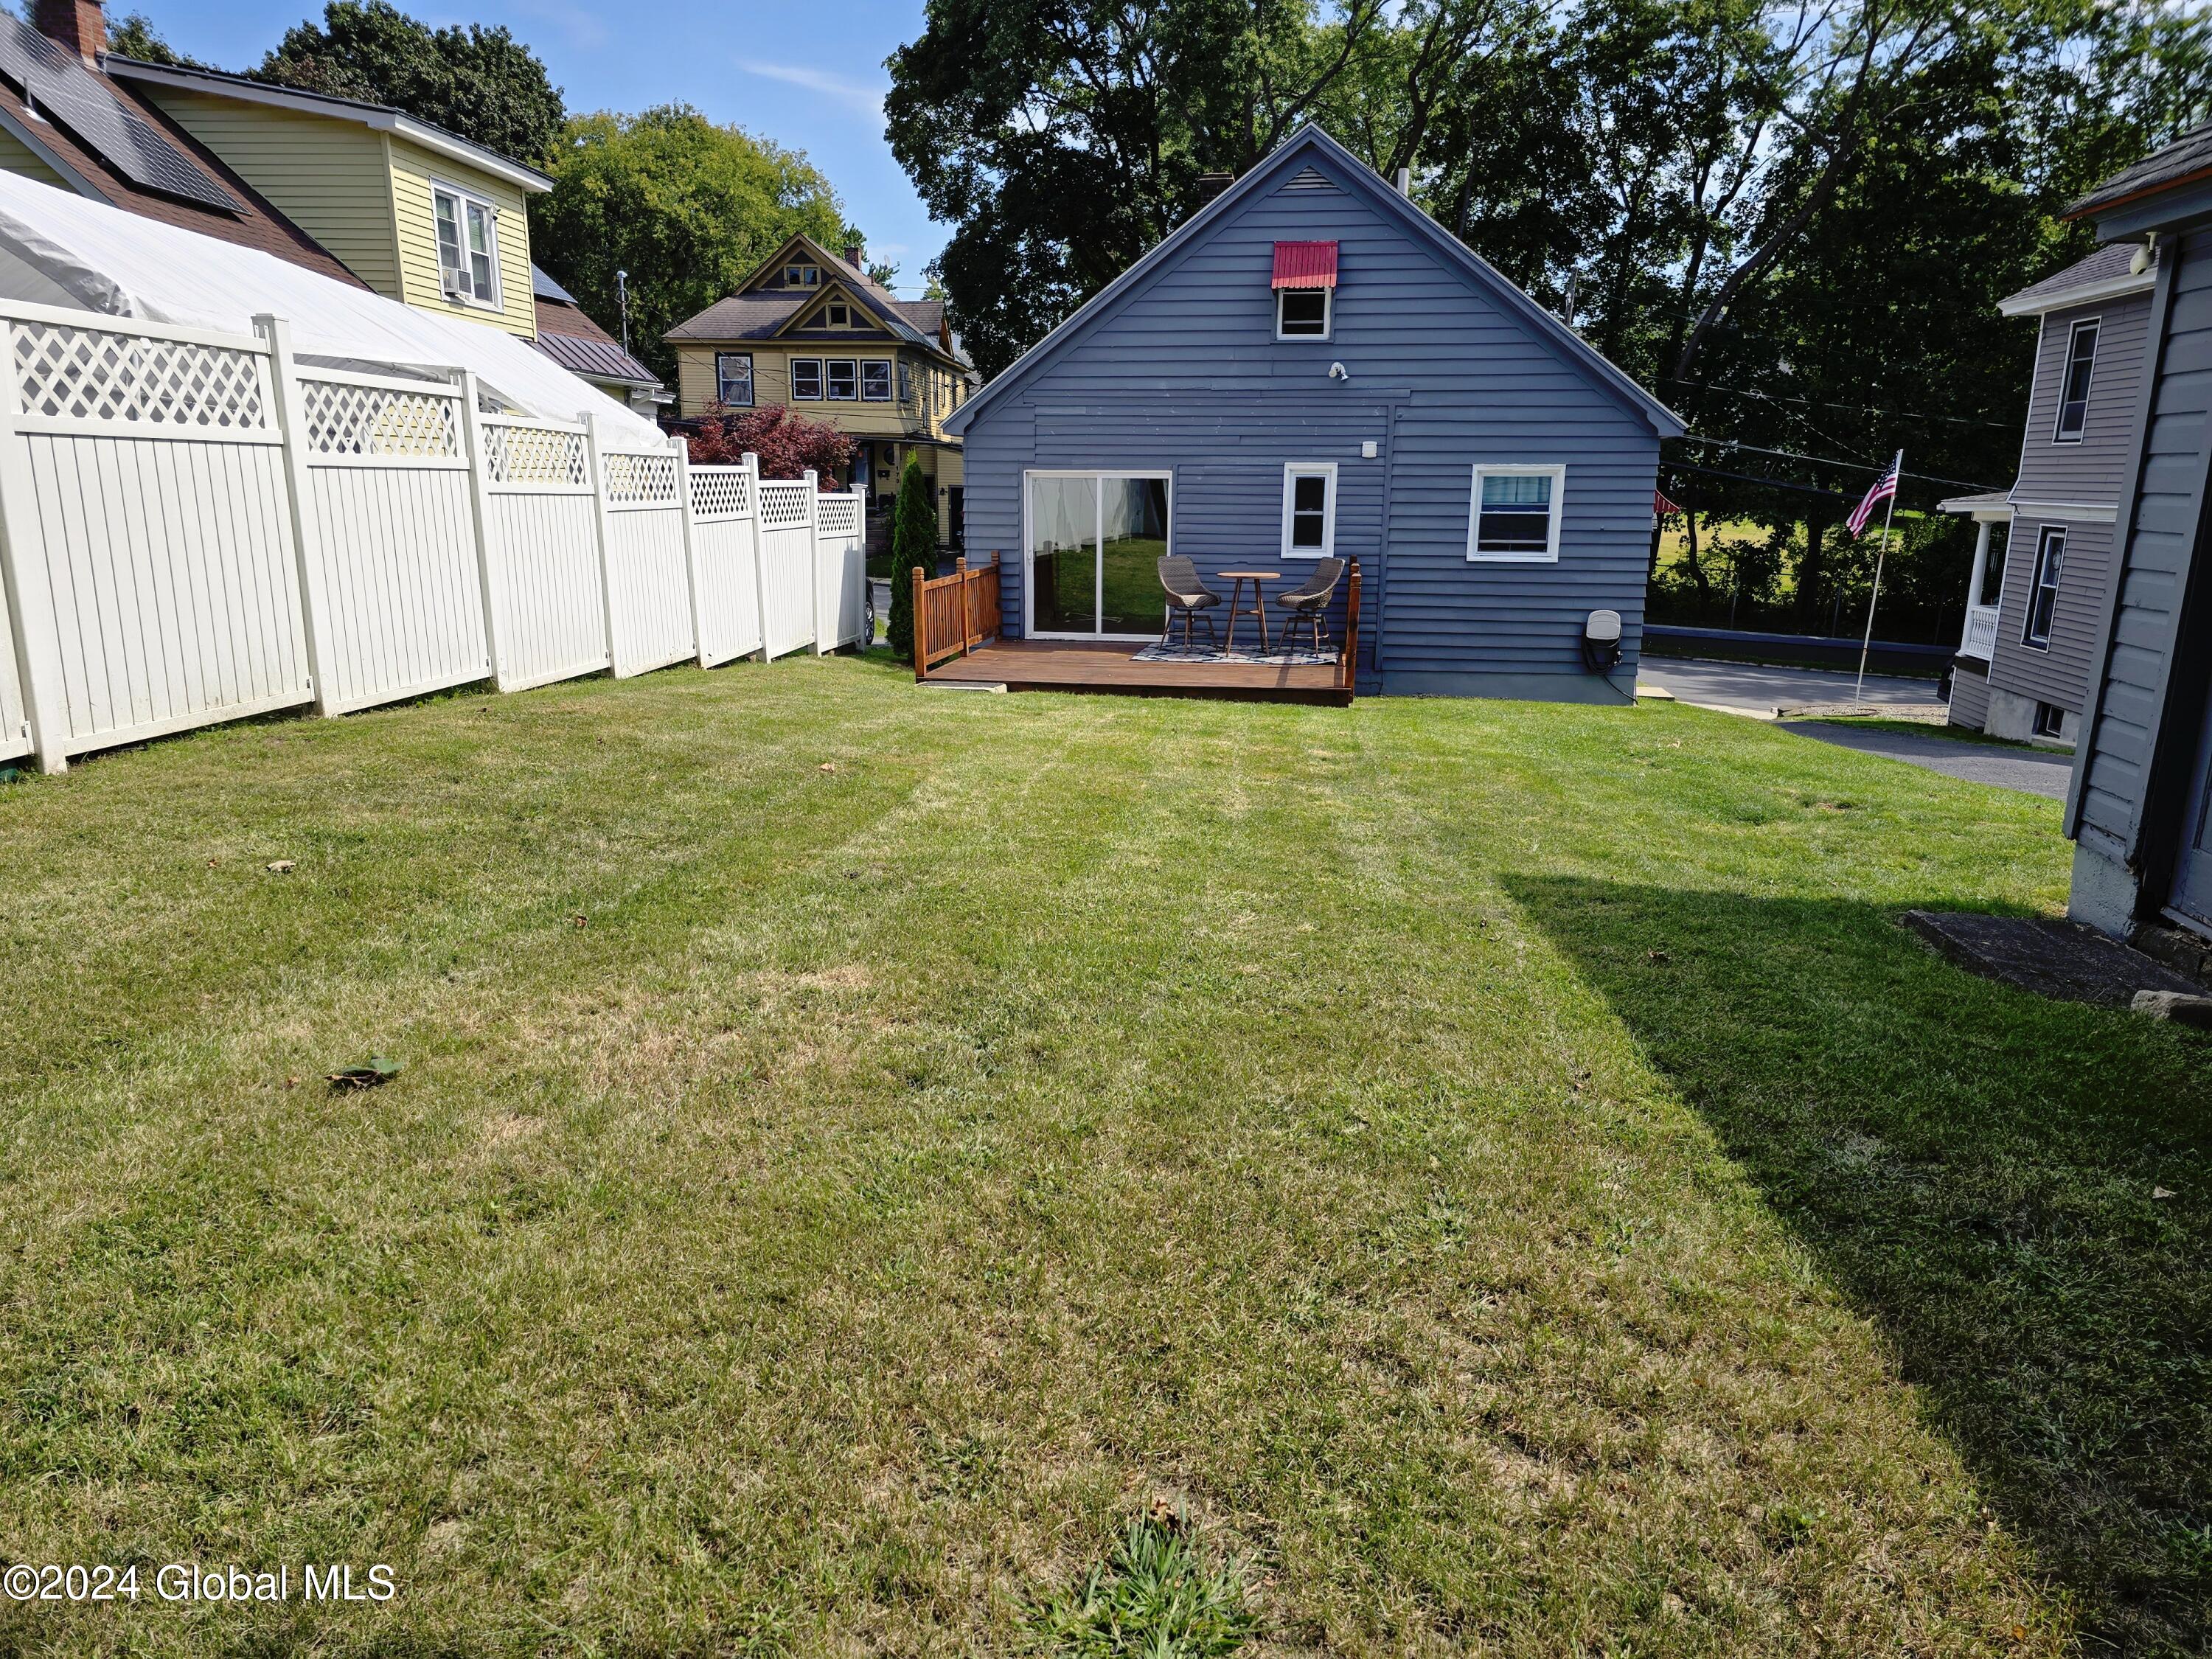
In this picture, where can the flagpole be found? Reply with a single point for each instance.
(1888, 512)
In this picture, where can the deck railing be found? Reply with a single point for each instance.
(954, 614)
(1347, 661)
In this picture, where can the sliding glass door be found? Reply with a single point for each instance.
(1095, 542)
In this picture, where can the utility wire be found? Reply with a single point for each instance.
(1772, 483)
(1818, 403)
(1829, 461)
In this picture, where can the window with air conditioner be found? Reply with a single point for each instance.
(468, 246)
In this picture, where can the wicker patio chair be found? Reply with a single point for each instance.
(1189, 595)
(1309, 599)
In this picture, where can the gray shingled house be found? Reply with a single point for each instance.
(2044, 547)
(2143, 770)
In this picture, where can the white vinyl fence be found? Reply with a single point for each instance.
(195, 527)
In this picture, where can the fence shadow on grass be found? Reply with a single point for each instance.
(1974, 1168)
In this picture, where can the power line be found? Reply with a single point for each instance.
(1829, 460)
(1772, 483)
(1819, 403)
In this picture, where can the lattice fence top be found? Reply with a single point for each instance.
(837, 515)
(640, 480)
(722, 492)
(782, 505)
(535, 455)
(360, 420)
(90, 375)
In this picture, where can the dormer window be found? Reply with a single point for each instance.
(2074, 387)
(1305, 290)
(468, 246)
(802, 276)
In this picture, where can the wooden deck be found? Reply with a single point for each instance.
(1109, 665)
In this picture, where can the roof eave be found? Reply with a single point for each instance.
(2112, 288)
(377, 118)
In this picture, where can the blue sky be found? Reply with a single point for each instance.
(810, 77)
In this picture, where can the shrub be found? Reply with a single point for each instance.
(788, 444)
(913, 542)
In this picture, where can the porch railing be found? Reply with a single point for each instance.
(954, 614)
(1980, 639)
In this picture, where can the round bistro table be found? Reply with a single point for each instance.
(1237, 581)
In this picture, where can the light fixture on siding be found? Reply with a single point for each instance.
(1338, 371)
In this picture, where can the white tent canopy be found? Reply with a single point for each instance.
(59, 248)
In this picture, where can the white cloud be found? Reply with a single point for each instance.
(869, 100)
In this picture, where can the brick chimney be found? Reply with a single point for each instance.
(80, 26)
(853, 255)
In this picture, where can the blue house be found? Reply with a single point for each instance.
(1311, 366)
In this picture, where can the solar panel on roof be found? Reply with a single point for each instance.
(58, 87)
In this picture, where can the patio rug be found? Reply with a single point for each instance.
(1278, 659)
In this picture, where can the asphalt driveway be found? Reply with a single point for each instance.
(2032, 771)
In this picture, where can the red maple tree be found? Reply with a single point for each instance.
(787, 443)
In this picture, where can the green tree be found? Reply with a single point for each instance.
(1064, 137)
(480, 83)
(914, 544)
(687, 207)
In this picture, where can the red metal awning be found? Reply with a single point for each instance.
(1305, 265)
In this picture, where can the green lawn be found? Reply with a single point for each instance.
(1499, 1169)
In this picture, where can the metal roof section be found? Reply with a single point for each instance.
(2105, 275)
(58, 88)
(1362, 178)
(378, 117)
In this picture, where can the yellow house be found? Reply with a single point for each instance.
(809, 329)
(417, 214)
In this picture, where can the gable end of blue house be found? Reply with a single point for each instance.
(1490, 472)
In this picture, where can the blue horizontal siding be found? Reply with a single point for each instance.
(1184, 374)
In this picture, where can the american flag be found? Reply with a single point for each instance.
(1884, 487)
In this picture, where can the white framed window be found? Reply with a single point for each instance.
(733, 379)
(1309, 509)
(2043, 591)
(1303, 314)
(2074, 382)
(1513, 514)
(468, 246)
(840, 379)
(876, 379)
(802, 276)
(807, 380)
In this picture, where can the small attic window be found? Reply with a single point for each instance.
(802, 276)
(1305, 289)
